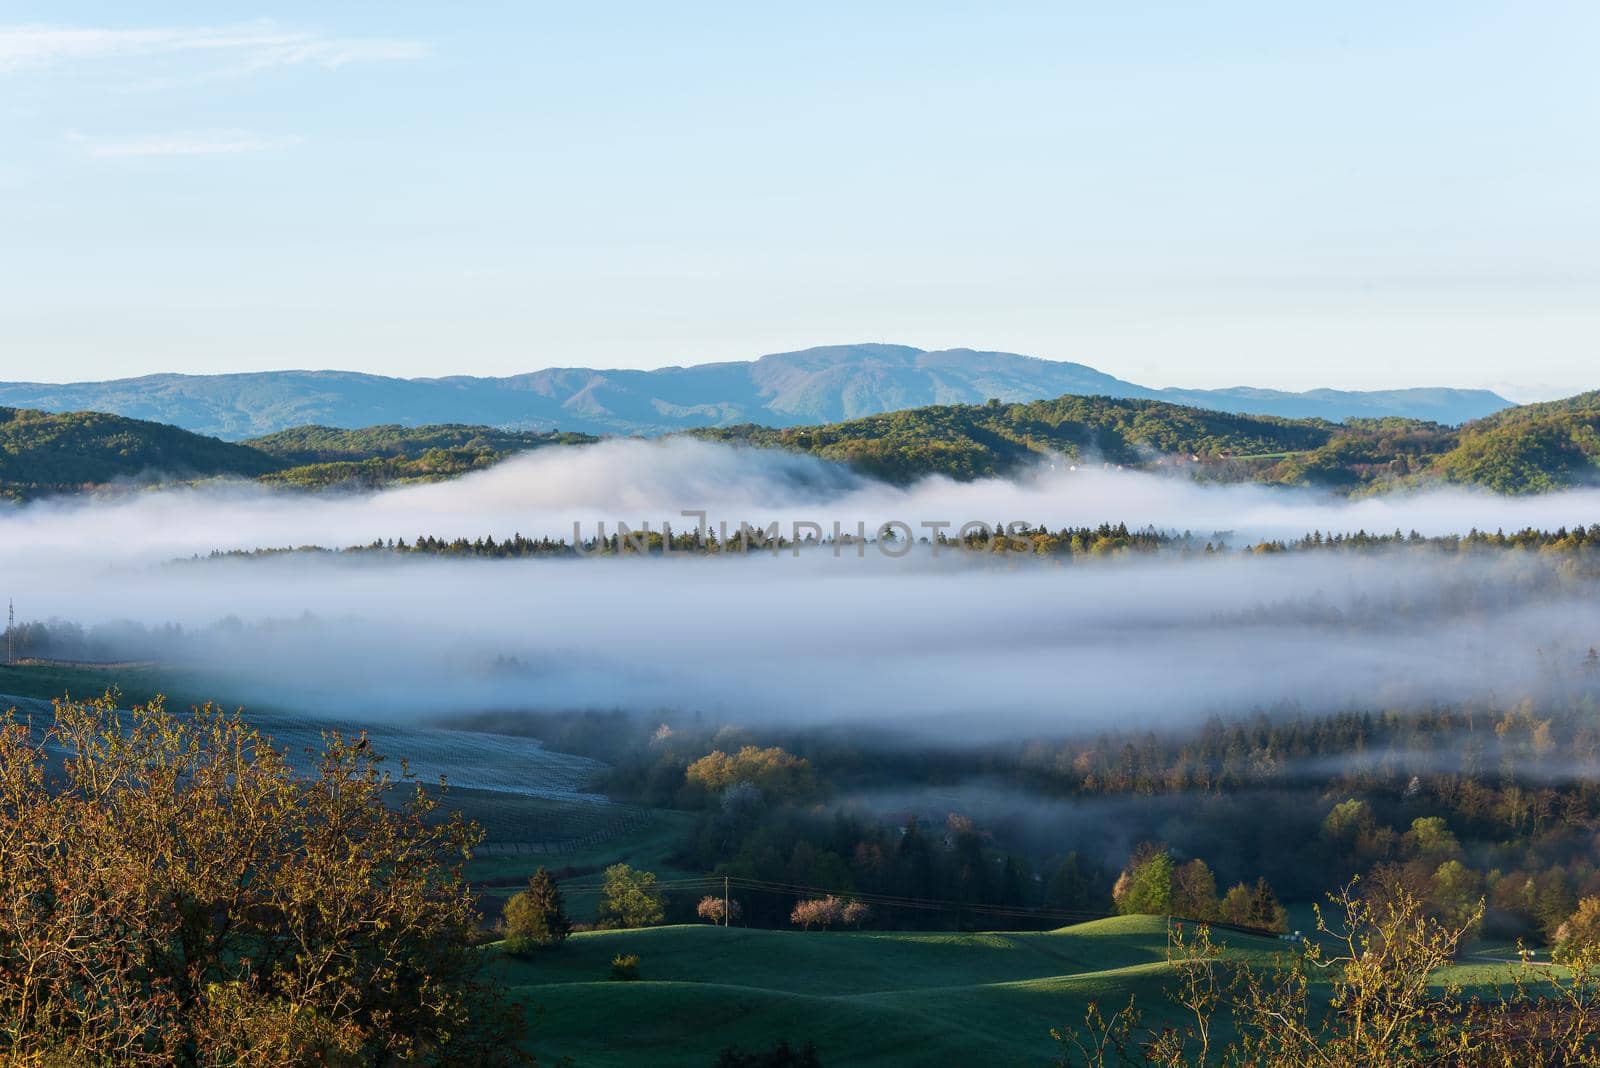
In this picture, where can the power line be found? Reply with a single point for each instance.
(727, 883)
(897, 901)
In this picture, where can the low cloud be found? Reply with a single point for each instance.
(546, 491)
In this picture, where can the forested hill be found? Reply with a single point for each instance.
(1525, 450)
(314, 457)
(324, 444)
(42, 452)
(974, 441)
(1531, 449)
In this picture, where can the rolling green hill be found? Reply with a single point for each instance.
(865, 998)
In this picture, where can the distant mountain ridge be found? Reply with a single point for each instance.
(819, 385)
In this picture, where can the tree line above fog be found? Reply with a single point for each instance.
(1063, 543)
(1529, 449)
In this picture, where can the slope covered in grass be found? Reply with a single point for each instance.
(865, 998)
(868, 998)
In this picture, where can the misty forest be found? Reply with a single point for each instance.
(1080, 732)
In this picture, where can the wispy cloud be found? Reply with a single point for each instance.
(190, 143)
(247, 46)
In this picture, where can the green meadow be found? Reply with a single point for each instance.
(864, 998)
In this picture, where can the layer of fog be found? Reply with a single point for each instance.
(545, 492)
(950, 645)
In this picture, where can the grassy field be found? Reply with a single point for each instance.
(864, 998)
(875, 999)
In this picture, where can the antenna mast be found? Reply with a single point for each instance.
(11, 631)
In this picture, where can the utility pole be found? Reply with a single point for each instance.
(724, 901)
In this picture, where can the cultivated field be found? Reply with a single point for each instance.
(534, 804)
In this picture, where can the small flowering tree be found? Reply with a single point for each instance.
(823, 912)
(713, 910)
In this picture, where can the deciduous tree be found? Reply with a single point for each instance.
(629, 898)
(174, 893)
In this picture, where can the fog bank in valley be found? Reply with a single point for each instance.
(951, 645)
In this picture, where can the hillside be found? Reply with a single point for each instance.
(975, 441)
(323, 444)
(1530, 449)
(1525, 450)
(879, 998)
(318, 456)
(43, 452)
(818, 385)
(869, 998)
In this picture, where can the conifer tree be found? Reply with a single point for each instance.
(537, 915)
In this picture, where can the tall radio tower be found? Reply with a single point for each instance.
(11, 632)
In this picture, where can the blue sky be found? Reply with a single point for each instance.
(1356, 195)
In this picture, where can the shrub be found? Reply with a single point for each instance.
(625, 967)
